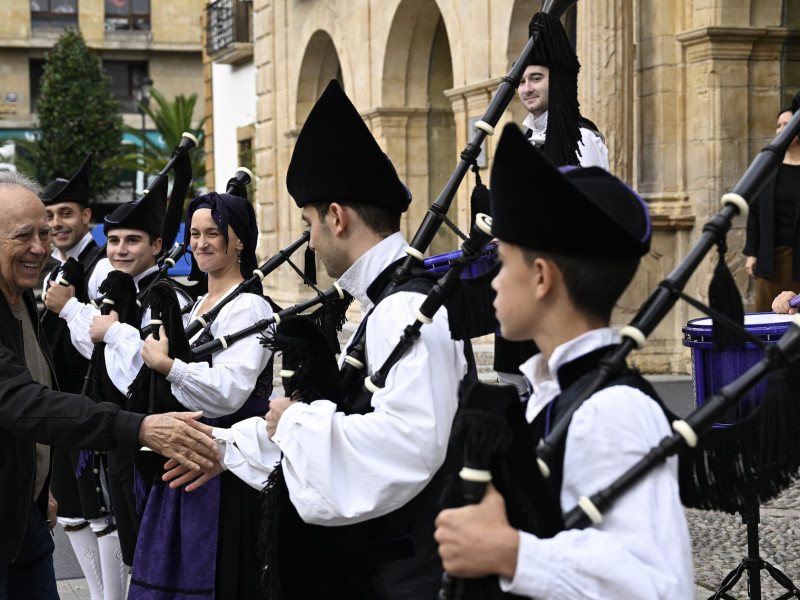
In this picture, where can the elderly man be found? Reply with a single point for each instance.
(32, 415)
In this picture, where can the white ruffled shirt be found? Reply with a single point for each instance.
(592, 152)
(79, 315)
(350, 468)
(642, 547)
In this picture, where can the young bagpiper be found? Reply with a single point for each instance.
(569, 250)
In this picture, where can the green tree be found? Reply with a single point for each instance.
(77, 114)
(171, 120)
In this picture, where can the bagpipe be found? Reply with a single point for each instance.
(181, 162)
(333, 293)
(728, 328)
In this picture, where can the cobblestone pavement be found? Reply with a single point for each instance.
(719, 543)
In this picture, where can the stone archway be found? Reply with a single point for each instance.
(415, 120)
(320, 65)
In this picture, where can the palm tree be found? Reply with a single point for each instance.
(171, 120)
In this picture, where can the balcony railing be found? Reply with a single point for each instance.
(229, 29)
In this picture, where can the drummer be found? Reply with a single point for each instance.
(783, 305)
(565, 264)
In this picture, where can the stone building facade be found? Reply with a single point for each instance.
(134, 39)
(686, 92)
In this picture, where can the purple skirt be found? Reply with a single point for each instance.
(176, 553)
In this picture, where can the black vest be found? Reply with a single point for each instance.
(390, 557)
(573, 378)
(405, 561)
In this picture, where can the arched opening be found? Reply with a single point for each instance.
(320, 65)
(418, 69)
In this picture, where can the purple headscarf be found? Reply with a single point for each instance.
(236, 212)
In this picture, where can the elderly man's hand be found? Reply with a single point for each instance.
(178, 475)
(57, 296)
(170, 434)
(781, 303)
(101, 324)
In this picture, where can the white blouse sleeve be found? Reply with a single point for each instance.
(593, 152)
(642, 548)
(247, 451)
(78, 317)
(98, 276)
(221, 389)
(349, 468)
(123, 354)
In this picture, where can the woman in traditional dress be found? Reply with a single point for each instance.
(203, 543)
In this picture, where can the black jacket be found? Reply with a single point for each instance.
(30, 413)
(761, 232)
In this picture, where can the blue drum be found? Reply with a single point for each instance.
(712, 370)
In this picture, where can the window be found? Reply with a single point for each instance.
(229, 22)
(124, 76)
(247, 152)
(127, 14)
(54, 13)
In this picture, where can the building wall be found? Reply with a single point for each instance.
(172, 48)
(235, 94)
(687, 93)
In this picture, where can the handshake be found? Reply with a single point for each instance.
(193, 454)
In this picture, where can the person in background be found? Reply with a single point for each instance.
(549, 92)
(569, 248)
(772, 246)
(83, 509)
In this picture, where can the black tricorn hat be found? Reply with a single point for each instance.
(553, 48)
(572, 211)
(145, 213)
(336, 159)
(75, 189)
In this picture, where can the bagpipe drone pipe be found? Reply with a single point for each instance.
(119, 294)
(437, 213)
(281, 257)
(334, 301)
(150, 392)
(720, 468)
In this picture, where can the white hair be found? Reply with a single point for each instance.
(17, 179)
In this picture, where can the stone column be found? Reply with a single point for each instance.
(472, 101)
(606, 82)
